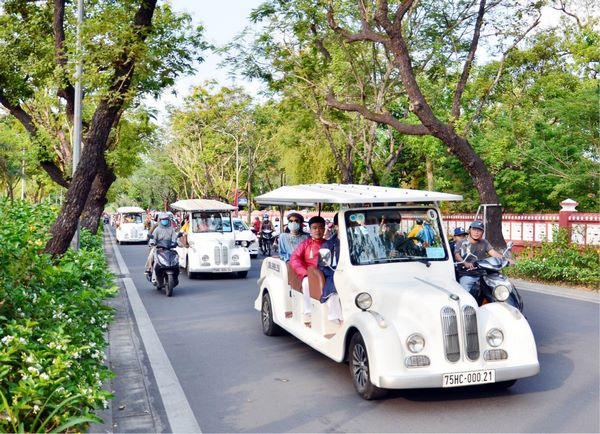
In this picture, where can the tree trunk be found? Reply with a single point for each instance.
(94, 206)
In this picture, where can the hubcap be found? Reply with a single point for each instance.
(360, 365)
(265, 314)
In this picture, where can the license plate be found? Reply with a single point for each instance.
(469, 378)
(222, 270)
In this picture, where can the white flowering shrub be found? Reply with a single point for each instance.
(52, 326)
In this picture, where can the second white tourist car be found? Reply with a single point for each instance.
(213, 246)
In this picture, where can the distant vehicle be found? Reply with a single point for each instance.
(244, 233)
(406, 323)
(130, 225)
(213, 246)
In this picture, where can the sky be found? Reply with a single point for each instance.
(222, 21)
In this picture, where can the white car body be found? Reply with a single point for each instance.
(130, 225)
(244, 233)
(213, 247)
(418, 296)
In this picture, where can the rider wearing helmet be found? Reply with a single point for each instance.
(162, 232)
(480, 248)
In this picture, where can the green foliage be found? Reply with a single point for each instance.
(560, 261)
(52, 325)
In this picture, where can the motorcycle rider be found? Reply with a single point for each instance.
(265, 225)
(163, 232)
(480, 248)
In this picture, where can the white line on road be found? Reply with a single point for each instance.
(180, 414)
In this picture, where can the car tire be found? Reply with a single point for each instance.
(242, 274)
(269, 328)
(359, 369)
(188, 272)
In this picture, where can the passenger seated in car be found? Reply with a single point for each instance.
(305, 255)
(391, 237)
(292, 236)
(330, 295)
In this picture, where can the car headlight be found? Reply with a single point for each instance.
(415, 343)
(501, 293)
(495, 337)
(244, 243)
(363, 301)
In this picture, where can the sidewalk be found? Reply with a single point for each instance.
(133, 409)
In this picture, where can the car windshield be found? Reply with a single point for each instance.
(394, 235)
(239, 225)
(132, 218)
(211, 221)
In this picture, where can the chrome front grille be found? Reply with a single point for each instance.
(471, 334)
(450, 332)
(221, 255)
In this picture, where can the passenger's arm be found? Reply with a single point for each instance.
(297, 260)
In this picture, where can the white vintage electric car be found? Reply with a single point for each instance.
(213, 246)
(244, 233)
(130, 225)
(406, 323)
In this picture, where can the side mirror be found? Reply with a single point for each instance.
(509, 247)
(324, 257)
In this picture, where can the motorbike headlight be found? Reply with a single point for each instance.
(363, 301)
(415, 343)
(501, 293)
(495, 337)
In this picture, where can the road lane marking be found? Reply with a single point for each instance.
(179, 412)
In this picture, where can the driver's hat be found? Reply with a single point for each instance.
(477, 224)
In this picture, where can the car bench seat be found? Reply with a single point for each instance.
(293, 280)
(316, 281)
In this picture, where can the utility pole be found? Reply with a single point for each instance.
(77, 114)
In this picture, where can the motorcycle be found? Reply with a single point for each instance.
(266, 241)
(166, 266)
(492, 286)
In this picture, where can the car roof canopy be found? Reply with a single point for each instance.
(312, 194)
(128, 209)
(201, 205)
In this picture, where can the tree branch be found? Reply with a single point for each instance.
(460, 86)
(387, 119)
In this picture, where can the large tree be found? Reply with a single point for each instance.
(130, 48)
(423, 55)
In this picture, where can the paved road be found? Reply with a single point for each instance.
(238, 380)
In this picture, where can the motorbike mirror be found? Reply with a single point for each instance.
(325, 257)
(509, 247)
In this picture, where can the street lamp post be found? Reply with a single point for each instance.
(77, 108)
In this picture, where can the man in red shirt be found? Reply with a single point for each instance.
(306, 254)
(256, 224)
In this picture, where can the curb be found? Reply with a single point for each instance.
(132, 409)
(558, 291)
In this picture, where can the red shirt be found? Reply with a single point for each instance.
(256, 224)
(306, 254)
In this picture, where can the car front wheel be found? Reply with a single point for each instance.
(359, 370)
(266, 313)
